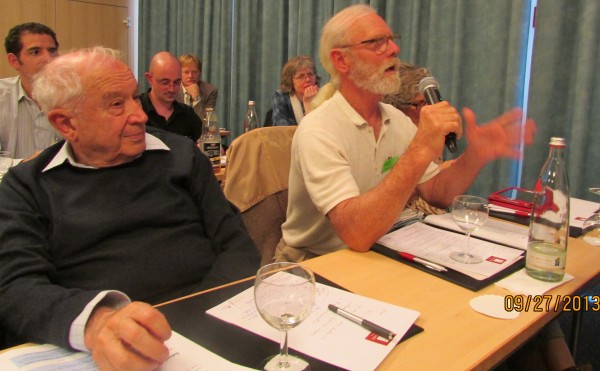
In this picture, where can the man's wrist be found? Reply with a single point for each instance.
(95, 322)
(110, 299)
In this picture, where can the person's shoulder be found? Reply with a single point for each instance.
(281, 97)
(9, 80)
(172, 140)
(9, 84)
(36, 164)
(185, 109)
(146, 102)
(207, 86)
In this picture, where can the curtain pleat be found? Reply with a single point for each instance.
(475, 49)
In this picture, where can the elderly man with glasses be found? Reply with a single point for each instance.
(357, 161)
(159, 103)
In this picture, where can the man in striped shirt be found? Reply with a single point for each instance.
(24, 129)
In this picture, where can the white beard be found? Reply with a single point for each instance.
(374, 79)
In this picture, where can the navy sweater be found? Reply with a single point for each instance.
(155, 228)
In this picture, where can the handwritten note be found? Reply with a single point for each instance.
(323, 334)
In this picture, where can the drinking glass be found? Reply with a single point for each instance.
(6, 162)
(469, 213)
(591, 226)
(284, 294)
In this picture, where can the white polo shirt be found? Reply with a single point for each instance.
(335, 157)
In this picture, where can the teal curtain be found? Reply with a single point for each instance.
(565, 91)
(474, 48)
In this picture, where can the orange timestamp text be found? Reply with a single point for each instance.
(547, 303)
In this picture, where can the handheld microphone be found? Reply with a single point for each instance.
(430, 89)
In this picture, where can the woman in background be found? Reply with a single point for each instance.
(299, 84)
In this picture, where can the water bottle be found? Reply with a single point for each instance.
(549, 225)
(251, 119)
(210, 140)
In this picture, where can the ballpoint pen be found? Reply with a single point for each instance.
(363, 322)
(431, 265)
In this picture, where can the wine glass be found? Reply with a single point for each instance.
(6, 162)
(284, 294)
(591, 226)
(469, 213)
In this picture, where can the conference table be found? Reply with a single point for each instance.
(455, 337)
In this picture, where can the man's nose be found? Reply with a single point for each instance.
(138, 116)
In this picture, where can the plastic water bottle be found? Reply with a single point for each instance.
(210, 140)
(549, 226)
(251, 121)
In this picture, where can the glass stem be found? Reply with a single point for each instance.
(283, 351)
(468, 250)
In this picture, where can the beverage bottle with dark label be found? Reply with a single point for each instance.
(210, 140)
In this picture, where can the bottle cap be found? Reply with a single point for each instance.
(558, 142)
(251, 103)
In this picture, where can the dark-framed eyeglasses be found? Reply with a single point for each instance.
(378, 44)
(419, 104)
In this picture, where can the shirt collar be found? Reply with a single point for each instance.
(354, 116)
(21, 93)
(65, 154)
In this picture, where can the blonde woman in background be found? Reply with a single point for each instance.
(298, 86)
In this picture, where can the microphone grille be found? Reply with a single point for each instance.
(428, 82)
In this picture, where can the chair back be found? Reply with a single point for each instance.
(258, 167)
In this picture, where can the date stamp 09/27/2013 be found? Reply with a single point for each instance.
(547, 303)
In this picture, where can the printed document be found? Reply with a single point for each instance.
(184, 355)
(323, 334)
(509, 234)
(435, 245)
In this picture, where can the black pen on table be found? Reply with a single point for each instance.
(363, 322)
(426, 263)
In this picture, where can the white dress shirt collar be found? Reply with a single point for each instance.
(66, 153)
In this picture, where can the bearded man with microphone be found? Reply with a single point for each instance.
(356, 161)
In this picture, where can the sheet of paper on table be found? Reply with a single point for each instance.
(580, 210)
(435, 245)
(323, 334)
(185, 355)
(509, 234)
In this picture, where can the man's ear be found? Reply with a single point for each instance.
(13, 60)
(340, 60)
(148, 76)
(61, 120)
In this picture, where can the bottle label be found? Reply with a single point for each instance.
(545, 256)
(212, 150)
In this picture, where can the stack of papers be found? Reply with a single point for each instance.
(185, 355)
(323, 334)
(509, 234)
(435, 245)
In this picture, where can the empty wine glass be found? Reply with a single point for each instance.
(284, 294)
(591, 226)
(469, 213)
(6, 162)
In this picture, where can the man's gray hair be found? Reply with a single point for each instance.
(410, 76)
(59, 83)
(335, 31)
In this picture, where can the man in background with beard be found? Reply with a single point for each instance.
(356, 161)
